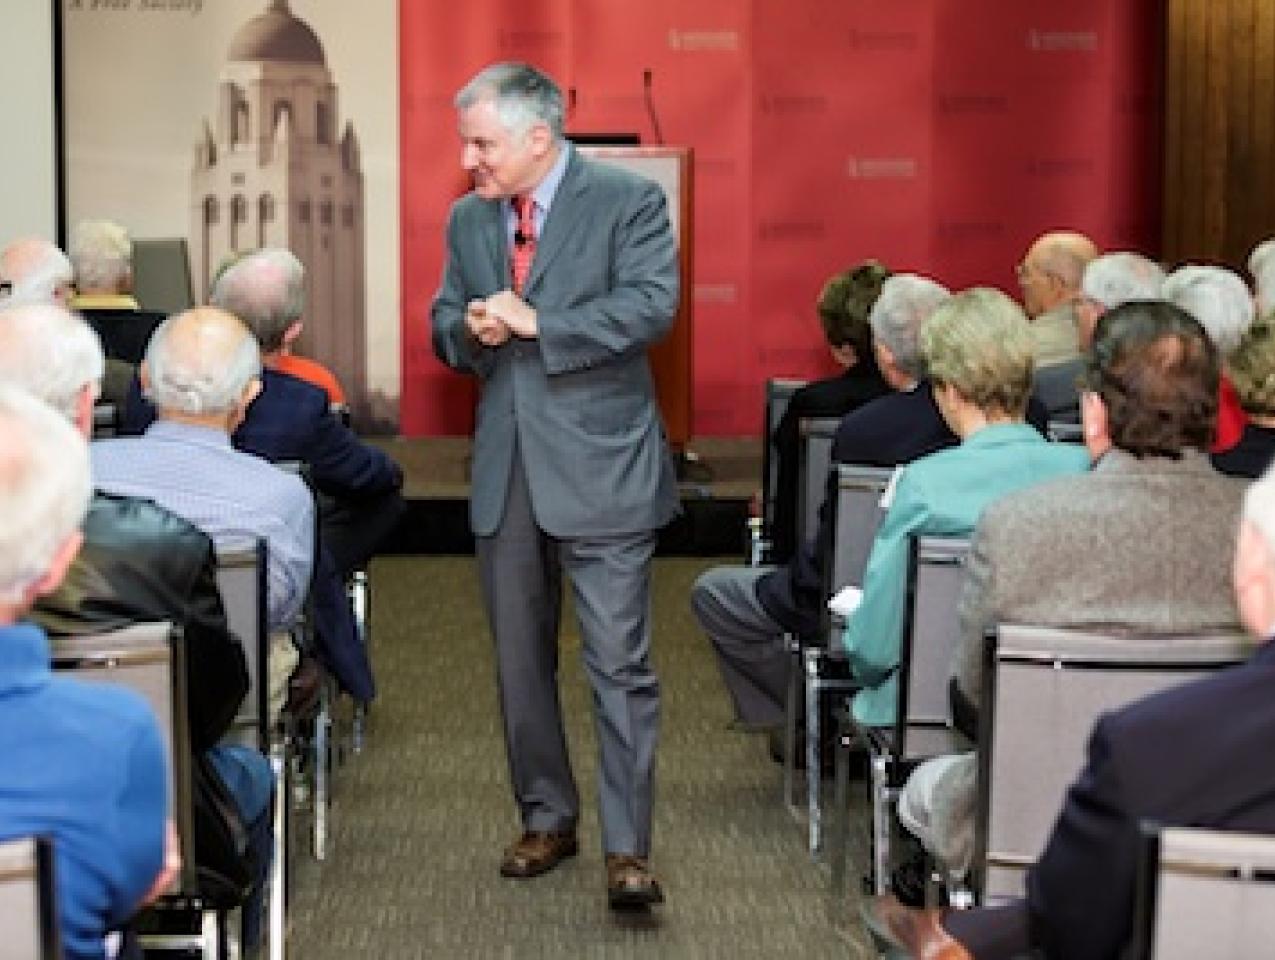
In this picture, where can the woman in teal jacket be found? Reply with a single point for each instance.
(978, 351)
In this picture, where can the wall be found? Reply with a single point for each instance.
(27, 193)
(1219, 157)
(938, 135)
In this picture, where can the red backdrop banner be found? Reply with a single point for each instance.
(937, 135)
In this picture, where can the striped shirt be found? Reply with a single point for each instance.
(233, 497)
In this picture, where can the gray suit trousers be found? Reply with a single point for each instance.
(521, 569)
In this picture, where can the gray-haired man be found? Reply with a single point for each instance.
(560, 273)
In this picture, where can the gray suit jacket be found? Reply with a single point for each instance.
(578, 403)
(1143, 544)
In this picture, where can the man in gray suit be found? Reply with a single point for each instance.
(560, 273)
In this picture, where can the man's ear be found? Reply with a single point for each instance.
(1096, 423)
(57, 567)
(292, 333)
(144, 377)
(84, 401)
(540, 139)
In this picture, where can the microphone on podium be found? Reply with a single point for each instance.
(650, 105)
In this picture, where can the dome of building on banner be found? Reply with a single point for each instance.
(277, 35)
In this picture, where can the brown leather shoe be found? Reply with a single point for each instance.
(537, 852)
(630, 883)
(918, 932)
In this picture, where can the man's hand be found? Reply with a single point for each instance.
(171, 868)
(487, 328)
(514, 312)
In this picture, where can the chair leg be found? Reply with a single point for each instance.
(813, 690)
(275, 930)
(840, 826)
(880, 825)
(322, 785)
(791, 797)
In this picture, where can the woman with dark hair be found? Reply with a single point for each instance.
(843, 307)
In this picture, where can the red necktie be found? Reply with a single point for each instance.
(524, 250)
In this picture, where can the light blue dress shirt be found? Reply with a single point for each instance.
(232, 496)
(941, 495)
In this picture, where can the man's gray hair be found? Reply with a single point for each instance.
(1217, 297)
(44, 488)
(1116, 278)
(905, 303)
(1261, 265)
(33, 269)
(266, 290)
(523, 96)
(102, 255)
(196, 375)
(49, 352)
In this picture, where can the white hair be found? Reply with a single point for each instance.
(102, 255)
(522, 95)
(266, 290)
(1116, 278)
(1217, 298)
(202, 371)
(1261, 264)
(905, 303)
(49, 352)
(44, 488)
(34, 269)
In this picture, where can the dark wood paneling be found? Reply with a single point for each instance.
(1219, 131)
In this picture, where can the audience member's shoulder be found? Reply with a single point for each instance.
(139, 518)
(102, 713)
(1194, 705)
(296, 390)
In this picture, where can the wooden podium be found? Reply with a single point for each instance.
(671, 168)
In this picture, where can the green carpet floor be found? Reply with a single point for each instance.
(420, 817)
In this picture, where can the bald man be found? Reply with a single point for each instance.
(1050, 276)
(202, 369)
(33, 270)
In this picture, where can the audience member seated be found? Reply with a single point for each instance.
(1049, 276)
(843, 307)
(358, 485)
(102, 254)
(978, 351)
(746, 610)
(1140, 543)
(140, 563)
(1221, 302)
(1251, 369)
(202, 369)
(33, 270)
(1188, 756)
(1261, 266)
(83, 764)
(1110, 280)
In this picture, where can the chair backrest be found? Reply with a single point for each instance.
(858, 516)
(817, 434)
(1064, 431)
(28, 901)
(931, 629)
(241, 580)
(150, 659)
(778, 393)
(1204, 893)
(1043, 688)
